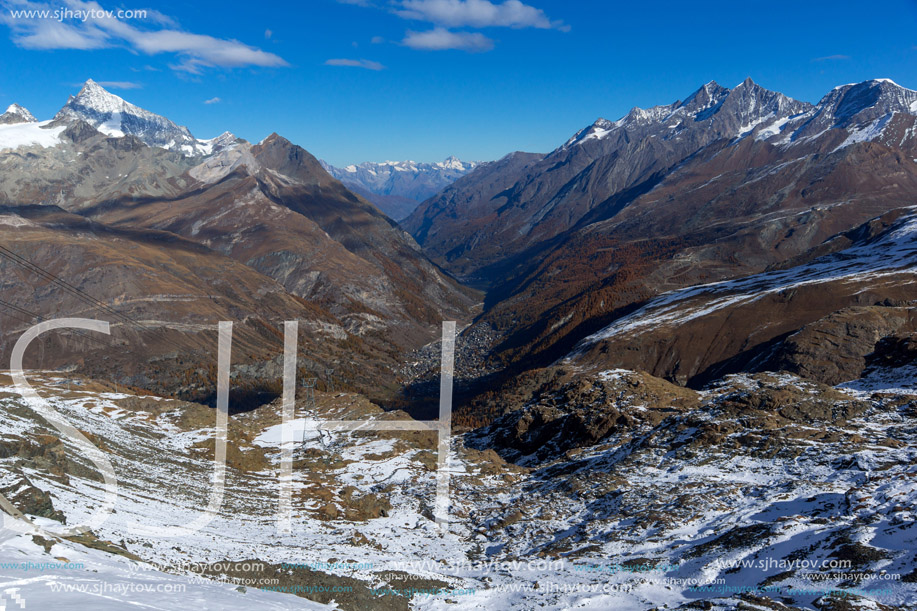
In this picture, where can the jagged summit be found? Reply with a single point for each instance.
(94, 96)
(748, 108)
(748, 82)
(117, 117)
(707, 95)
(864, 109)
(712, 108)
(16, 114)
(883, 95)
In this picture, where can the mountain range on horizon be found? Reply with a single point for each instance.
(398, 187)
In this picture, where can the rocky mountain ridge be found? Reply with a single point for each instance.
(600, 168)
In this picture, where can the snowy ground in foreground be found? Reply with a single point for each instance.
(653, 493)
(32, 578)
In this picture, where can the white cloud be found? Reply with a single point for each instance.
(213, 101)
(117, 85)
(50, 33)
(268, 34)
(829, 58)
(355, 63)
(198, 50)
(440, 39)
(477, 14)
(377, 40)
(195, 51)
(474, 14)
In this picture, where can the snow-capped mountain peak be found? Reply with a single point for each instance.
(864, 110)
(16, 114)
(222, 142)
(117, 117)
(598, 130)
(709, 95)
(454, 163)
(884, 95)
(94, 96)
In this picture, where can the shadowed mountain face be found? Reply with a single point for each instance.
(307, 231)
(818, 315)
(728, 184)
(478, 226)
(591, 172)
(182, 239)
(162, 294)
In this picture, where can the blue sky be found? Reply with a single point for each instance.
(361, 80)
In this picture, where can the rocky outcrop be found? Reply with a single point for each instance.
(836, 348)
(763, 413)
(30, 500)
(568, 411)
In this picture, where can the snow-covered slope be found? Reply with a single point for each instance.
(892, 253)
(19, 128)
(15, 135)
(67, 575)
